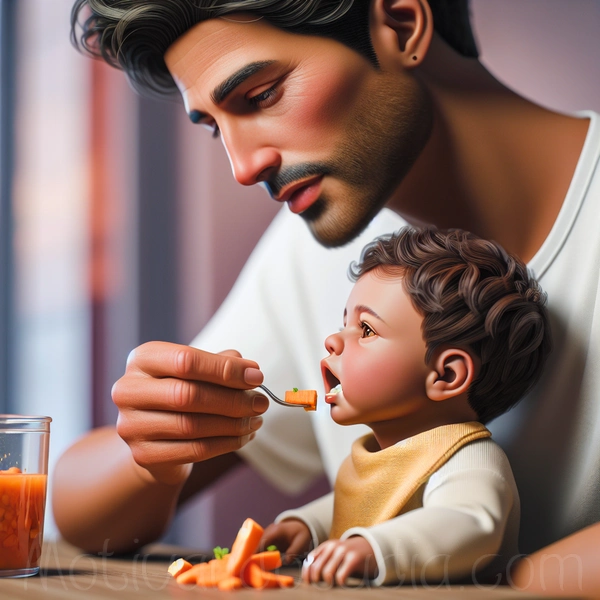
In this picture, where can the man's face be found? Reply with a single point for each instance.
(312, 119)
(378, 357)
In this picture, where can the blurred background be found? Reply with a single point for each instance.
(120, 222)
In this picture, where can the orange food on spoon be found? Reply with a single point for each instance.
(306, 398)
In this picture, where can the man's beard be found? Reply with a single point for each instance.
(376, 153)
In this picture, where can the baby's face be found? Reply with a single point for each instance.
(379, 355)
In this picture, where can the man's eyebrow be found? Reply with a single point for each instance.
(226, 87)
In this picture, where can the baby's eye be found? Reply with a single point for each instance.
(367, 331)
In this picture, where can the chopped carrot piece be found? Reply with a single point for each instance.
(244, 546)
(242, 566)
(307, 398)
(269, 560)
(276, 580)
(191, 575)
(230, 583)
(252, 575)
(221, 561)
(213, 572)
(255, 577)
(179, 566)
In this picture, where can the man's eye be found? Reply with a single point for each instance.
(366, 330)
(264, 99)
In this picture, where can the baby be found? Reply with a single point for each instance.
(443, 331)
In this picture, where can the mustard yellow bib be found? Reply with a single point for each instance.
(375, 485)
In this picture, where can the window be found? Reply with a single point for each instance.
(6, 167)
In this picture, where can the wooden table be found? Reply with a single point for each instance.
(67, 573)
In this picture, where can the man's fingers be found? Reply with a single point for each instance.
(163, 359)
(230, 353)
(178, 395)
(151, 454)
(160, 425)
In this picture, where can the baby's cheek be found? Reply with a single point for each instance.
(373, 380)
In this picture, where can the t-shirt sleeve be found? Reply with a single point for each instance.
(469, 505)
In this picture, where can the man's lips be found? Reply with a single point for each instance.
(300, 195)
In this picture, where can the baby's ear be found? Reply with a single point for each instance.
(452, 372)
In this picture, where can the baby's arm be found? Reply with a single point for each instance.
(470, 514)
(470, 506)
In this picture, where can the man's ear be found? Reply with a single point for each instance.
(401, 31)
(452, 372)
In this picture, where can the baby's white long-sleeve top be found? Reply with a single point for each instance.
(465, 524)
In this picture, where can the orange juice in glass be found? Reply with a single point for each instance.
(24, 443)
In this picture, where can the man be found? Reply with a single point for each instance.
(339, 120)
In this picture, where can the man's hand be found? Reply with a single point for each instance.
(334, 561)
(292, 538)
(179, 405)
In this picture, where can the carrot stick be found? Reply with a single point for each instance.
(242, 566)
(215, 572)
(230, 583)
(276, 580)
(244, 546)
(255, 577)
(179, 566)
(268, 560)
(191, 575)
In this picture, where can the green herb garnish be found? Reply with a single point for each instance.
(295, 389)
(272, 548)
(220, 552)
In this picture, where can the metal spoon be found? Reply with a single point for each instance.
(278, 400)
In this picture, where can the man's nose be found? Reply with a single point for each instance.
(334, 343)
(251, 161)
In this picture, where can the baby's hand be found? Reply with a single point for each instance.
(334, 561)
(292, 538)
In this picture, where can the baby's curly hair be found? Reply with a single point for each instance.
(474, 295)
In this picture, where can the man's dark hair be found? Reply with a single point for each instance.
(473, 295)
(133, 35)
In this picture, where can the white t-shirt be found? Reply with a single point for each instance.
(291, 295)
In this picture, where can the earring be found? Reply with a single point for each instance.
(195, 116)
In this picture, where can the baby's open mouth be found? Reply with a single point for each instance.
(332, 383)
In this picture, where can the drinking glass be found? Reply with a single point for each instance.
(24, 443)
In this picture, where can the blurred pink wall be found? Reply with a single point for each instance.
(548, 50)
(545, 49)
